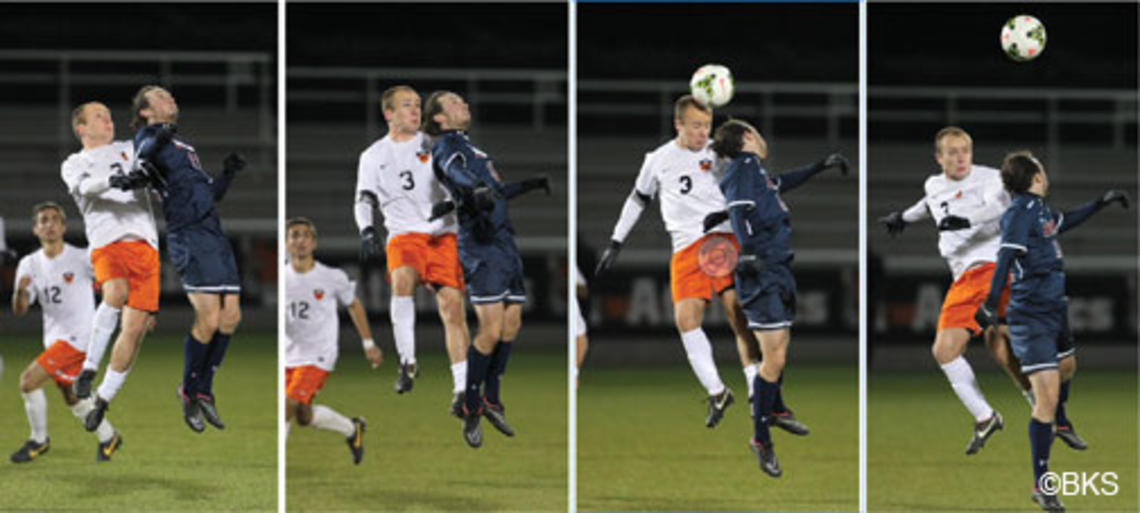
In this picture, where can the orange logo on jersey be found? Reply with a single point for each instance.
(706, 165)
(318, 293)
(67, 277)
(958, 195)
(124, 155)
(423, 156)
(1049, 229)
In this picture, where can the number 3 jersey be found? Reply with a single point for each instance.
(689, 189)
(400, 175)
(113, 214)
(64, 288)
(311, 320)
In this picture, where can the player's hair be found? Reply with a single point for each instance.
(79, 115)
(947, 132)
(687, 101)
(728, 140)
(139, 103)
(47, 205)
(433, 106)
(301, 221)
(1018, 169)
(387, 97)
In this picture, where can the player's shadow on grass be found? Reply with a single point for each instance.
(437, 500)
(97, 486)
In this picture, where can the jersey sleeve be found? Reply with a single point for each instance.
(345, 288)
(79, 182)
(24, 268)
(646, 183)
(367, 187)
(1015, 225)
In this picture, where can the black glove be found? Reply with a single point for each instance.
(951, 223)
(540, 182)
(894, 223)
(233, 163)
(484, 198)
(836, 159)
(370, 248)
(1115, 195)
(714, 219)
(609, 256)
(986, 316)
(749, 265)
(130, 181)
(441, 209)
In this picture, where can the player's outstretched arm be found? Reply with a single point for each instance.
(987, 313)
(630, 212)
(514, 189)
(230, 167)
(1075, 217)
(360, 322)
(20, 297)
(789, 180)
(895, 222)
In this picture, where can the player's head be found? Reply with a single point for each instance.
(735, 136)
(153, 104)
(48, 222)
(445, 110)
(92, 124)
(300, 237)
(693, 121)
(954, 151)
(401, 105)
(1022, 172)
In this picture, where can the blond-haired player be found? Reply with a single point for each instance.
(395, 175)
(59, 277)
(313, 292)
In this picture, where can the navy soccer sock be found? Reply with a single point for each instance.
(1040, 439)
(195, 354)
(778, 406)
(477, 364)
(214, 357)
(1060, 418)
(762, 401)
(495, 371)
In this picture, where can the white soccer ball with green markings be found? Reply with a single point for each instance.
(712, 85)
(1023, 38)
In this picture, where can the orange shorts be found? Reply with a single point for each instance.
(62, 361)
(302, 383)
(435, 258)
(686, 278)
(136, 261)
(967, 293)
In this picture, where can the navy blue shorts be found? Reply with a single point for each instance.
(493, 273)
(1036, 336)
(768, 298)
(204, 259)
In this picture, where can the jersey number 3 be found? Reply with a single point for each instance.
(411, 183)
(686, 184)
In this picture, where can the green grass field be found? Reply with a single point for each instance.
(415, 457)
(162, 465)
(643, 445)
(917, 434)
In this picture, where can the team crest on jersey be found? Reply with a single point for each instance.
(706, 164)
(124, 155)
(423, 155)
(318, 293)
(958, 195)
(67, 277)
(193, 157)
(1049, 228)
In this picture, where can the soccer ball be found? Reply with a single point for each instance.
(712, 85)
(1023, 38)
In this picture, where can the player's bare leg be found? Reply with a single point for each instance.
(948, 350)
(479, 355)
(449, 302)
(688, 314)
(774, 350)
(492, 405)
(106, 319)
(1067, 368)
(997, 342)
(1046, 390)
(402, 313)
(127, 345)
(746, 345)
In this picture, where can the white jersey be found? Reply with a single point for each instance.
(688, 184)
(400, 175)
(113, 214)
(312, 326)
(981, 198)
(64, 288)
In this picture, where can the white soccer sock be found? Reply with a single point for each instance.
(962, 380)
(699, 351)
(80, 409)
(750, 372)
(458, 377)
(402, 311)
(327, 418)
(112, 382)
(102, 327)
(35, 404)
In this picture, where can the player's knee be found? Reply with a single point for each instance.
(304, 415)
(206, 324)
(686, 322)
(27, 382)
(230, 319)
(1068, 367)
(115, 292)
(450, 309)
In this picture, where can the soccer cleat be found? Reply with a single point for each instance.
(106, 449)
(497, 416)
(983, 431)
(191, 412)
(356, 440)
(472, 430)
(407, 377)
(456, 408)
(767, 458)
(717, 405)
(786, 420)
(31, 450)
(82, 384)
(1069, 435)
(95, 416)
(1047, 502)
(210, 410)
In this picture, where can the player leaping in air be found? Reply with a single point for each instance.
(1038, 307)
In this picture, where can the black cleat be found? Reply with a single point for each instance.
(31, 450)
(786, 420)
(95, 416)
(106, 449)
(1069, 435)
(82, 384)
(456, 408)
(717, 405)
(497, 416)
(356, 440)
(210, 411)
(407, 377)
(472, 430)
(767, 458)
(983, 431)
(191, 412)
(1047, 502)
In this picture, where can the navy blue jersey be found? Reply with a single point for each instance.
(1029, 228)
(188, 192)
(463, 169)
(759, 216)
